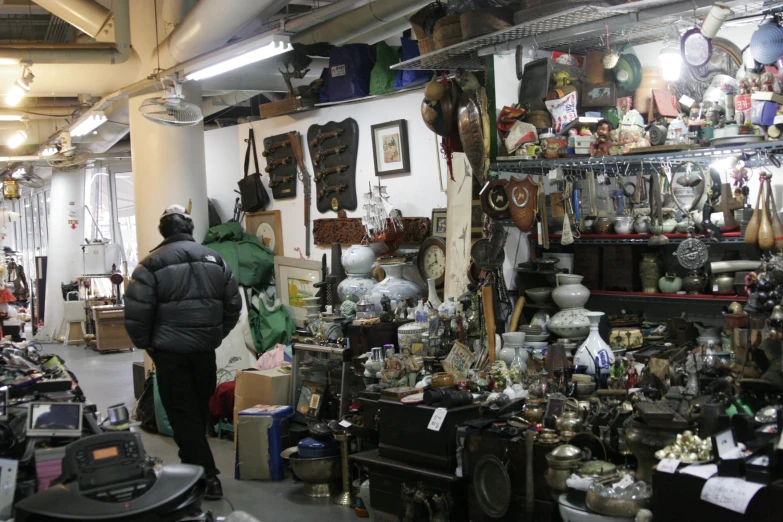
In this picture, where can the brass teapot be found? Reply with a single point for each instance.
(533, 410)
(571, 419)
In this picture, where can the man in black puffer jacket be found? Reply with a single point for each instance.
(181, 303)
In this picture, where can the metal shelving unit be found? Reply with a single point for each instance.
(664, 298)
(639, 239)
(757, 154)
(578, 30)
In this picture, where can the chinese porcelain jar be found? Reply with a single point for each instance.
(448, 308)
(511, 341)
(395, 286)
(650, 271)
(570, 295)
(623, 225)
(670, 284)
(410, 333)
(594, 347)
(357, 262)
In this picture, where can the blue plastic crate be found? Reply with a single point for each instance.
(280, 416)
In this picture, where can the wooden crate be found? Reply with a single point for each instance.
(285, 106)
(110, 330)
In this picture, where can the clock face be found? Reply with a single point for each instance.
(434, 262)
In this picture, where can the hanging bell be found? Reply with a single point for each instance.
(10, 189)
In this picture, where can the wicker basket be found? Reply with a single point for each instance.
(426, 45)
(485, 21)
(448, 31)
(423, 21)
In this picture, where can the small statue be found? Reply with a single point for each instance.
(601, 145)
(387, 315)
(631, 378)
(442, 504)
(767, 79)
(348, 309)
(500, 375)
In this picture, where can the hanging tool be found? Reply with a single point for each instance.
(777, 225)
(766, 235)
(541, 211)
(752, 231)
(658, 238)
(304, 176)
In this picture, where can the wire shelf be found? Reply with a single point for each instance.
(639, 239)
(467, 54)
(757, 154)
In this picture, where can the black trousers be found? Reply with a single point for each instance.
(186, 382)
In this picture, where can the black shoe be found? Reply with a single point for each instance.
(214, 489)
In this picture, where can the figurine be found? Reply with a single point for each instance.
(499, 374)
(631, 377)
(601, 145)
(767, 79)
(348, 309)
(387, 315)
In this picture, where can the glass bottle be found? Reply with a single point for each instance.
(518, 365)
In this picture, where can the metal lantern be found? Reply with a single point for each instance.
(10, 188)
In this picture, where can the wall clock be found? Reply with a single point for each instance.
(432, 259)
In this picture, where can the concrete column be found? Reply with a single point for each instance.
(65, 251)
(168, 169)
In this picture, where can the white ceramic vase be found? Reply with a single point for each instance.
(570, 292)
(594, 348)
(571, 296)
(448, 308)
(357, 262)
(432, 297)
(511, 341)
(395, 286)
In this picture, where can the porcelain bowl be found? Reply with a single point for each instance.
(540, 295)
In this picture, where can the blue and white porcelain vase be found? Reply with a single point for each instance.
(357, 261)
(594, 349)
(395, 286)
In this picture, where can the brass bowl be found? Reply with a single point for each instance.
(442, 380)
(615, 507)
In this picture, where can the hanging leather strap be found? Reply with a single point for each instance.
(251, 144)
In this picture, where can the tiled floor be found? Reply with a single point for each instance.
(107, 379)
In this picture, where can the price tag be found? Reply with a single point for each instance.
(553, 174)
(668, 465)
(624, 483)
(715, 288)
(436, 421)
(345, 424)
(729, 492)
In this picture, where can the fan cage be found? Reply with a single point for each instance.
(173, 114)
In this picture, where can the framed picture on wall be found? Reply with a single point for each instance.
(294, 281)
(267, 227)
(439, 224)
(390, 148)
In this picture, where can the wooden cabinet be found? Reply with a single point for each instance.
(110, 331)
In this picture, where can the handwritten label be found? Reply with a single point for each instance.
(345, 424)
(730, 493)
(668, 465)
(438, 416)
(704, 471)
(623, 483)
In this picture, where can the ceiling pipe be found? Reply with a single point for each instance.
(208, 26)
(315, 17)
(395, 28)
(38, 113)
(86, 15)
(172, 12)
(99, 53)
(359, 21)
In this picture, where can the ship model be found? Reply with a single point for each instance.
(382, 225)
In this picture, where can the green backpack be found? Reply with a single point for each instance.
(382, 77)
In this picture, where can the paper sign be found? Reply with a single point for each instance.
(730, 493)
(345, 424)
(668, 465)
(704, 471)
(687, 101)
(438, 416)
(623, 483)
(725, 443)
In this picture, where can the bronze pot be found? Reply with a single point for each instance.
(644, 441)
(561, 462)
(603, 225)
(533, 411)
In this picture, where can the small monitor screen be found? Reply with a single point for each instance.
(105, 453)
(55, 419)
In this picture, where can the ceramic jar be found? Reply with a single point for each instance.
(511, 341)
(442, 380)
(594, 348)
(570, 323)
(650, 271)
(395, 286)
(723, 284)
(623, 224)
(357, 262)
(670, 284)
(693, 283)
(570, 292)
(410, 333)
(602, 225)
(448, 308)
(669, 222)
(640, 224)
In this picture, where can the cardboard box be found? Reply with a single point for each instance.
(260, 387)
(260, 434)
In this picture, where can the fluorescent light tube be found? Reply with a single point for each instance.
(88, 124)
(14, 95)
(17, 138)
(10, 117)
(262, 53)
(48, 151)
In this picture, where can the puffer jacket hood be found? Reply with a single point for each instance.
(182, 298)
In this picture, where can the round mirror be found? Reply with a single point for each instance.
(695, 48)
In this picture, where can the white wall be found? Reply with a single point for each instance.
(65, 252)
(415, 194)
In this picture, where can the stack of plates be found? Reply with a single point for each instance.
(628, 72)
